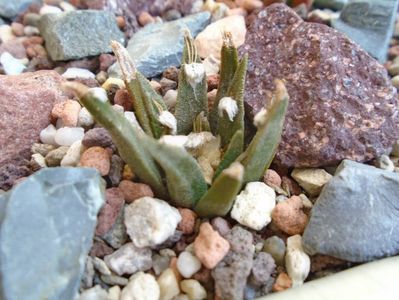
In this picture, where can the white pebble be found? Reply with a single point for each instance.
(95, 293)
(170, 98)
(168, 120)
(150, 221)
(168, 285)
(141, 287)
(118, 108)
(85, 118)
(11, 65)
(297, 262)
(38, 160)
(253, 206)
(6, 33)
(31, 30)
(49, 9)
(72, 157)
(101, 266)
(211, 65)
(188, 264)
(73, 73)
(98, 93)
(193, 289)
(385, 163)
(67, 6)
(114, 293)
(47, 135)
(66, 136)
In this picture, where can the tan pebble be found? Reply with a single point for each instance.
(193, 289)
(249, 5)
(17, 28)
(145, 18)
(156, 86)
(123, 99)
(132, 190)
(272, 179)
(70, 113)
(96, 157)
(209, 246)
(57, 109)
(282, 283)
(120, 20)
(127, 173)
(289, 217)
(187, 222)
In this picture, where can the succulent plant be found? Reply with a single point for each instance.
(188, 169)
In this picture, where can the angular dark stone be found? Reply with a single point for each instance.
(356, 217)
(342, 103)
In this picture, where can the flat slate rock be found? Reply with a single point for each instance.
(159, 46)
(78, 34)
(342, 103)
(47, 225)
(356, 217)
(26, 101)
(370, 24)
(11, 8)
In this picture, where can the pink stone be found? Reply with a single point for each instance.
(109, 212)
(187, 223)
(98, 158)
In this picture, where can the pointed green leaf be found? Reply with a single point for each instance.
(220, 197)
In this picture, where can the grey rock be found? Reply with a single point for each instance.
(159, 46)
(115, 172)
(262, 269)
(9, 9)
(88, 274)
(332, 4)
(356, 217)
(231, 273)
(42, 149)
(160, 263)
(275, 246)
(117, 235)
(97, 137)
(54, 157)
(369, 24)
(47, 226)
(114, 280)
(78, 34)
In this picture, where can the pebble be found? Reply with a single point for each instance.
(37, 162)
(297, 262)
(100, 248)
(115, 172)
(42, 149)
(145, 18)
(395, 149)
(211, 65)
(167, 84)
(110, 211)
(129, 259)
(272, 179)
(11, 65)
(85, 119)
(150, 221)
(70, 113)
(188, 264)
(221, 226)
(133, 191)
(31, 31)
(6, 33)
(262, 269)
(395, 81)
(17, 29)
(114, 280)
(31, 19)
(114, 293)
(283, 282)
(101, 77)
(113, 84)
(187, 223)
(127, 173)
(66, 6)
(249, 5)
(72, 157)
(88, 274)
(209, 246)
(123, 99)
(141, 286)
(95, 293)
(394, 68)
(275, 246)
(253, 206)
(289, 217)
(54, 157)
(385, 163)
(160, 263)
(290, 186)
(193, 289)
(170, 98)
(311, 180)
(74, 73)
(98, 158)
(98, 136)
(168, 285)
(49, 9)
(101, 266)
(66, 136)
(210, 40)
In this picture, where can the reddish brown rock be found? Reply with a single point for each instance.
(110, 211)
(97, 158)
(100, 249)
(187, 223)
(26, 101)
(133, 191)
(342, 104)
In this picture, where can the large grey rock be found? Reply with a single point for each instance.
(78, 34)
(369, 24)
(332, 4)
(159, 46)
(47, 226)
(356, 216)
(10, 8)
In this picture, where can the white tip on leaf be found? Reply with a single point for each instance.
(99, 93)
(195, 72)
(260, 118)
(168, 120)
(228, 105)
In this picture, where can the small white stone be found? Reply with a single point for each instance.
(98, 93)
(49, 9)
(129, 259)
(11, 65)
(188, 264)
(101, 266)
(31, 31)
(72, 157)
(228, 105)
(312, 180)
(150, 221)
(385, 163)
(95, 293)
(297, 262)
(253, 206)
(168, 120)
(170, 98)
(38, 161)
(47, 135)
(114, 293)
(168, 285)
(73, 73)
(67, 6)
(85, 118)
(6, 33)
(66, 136)
(193, 289)
(141, 287)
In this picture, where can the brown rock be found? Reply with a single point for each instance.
(106, 60)
(271, 178)
(321, 262)
(123, 99)
(98, 136)
(342, 104)
(145, 18)
(132, 190)
(100, 249)
(110, 211)
(26, 101)
(290, 186)
(187, 222)
(289, 217)
(282, 283)
(98, 158)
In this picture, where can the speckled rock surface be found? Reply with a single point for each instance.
(26, 100)
(342, 104)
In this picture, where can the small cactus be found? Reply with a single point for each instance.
(171, 170)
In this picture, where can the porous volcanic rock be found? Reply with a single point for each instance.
(342, 104)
